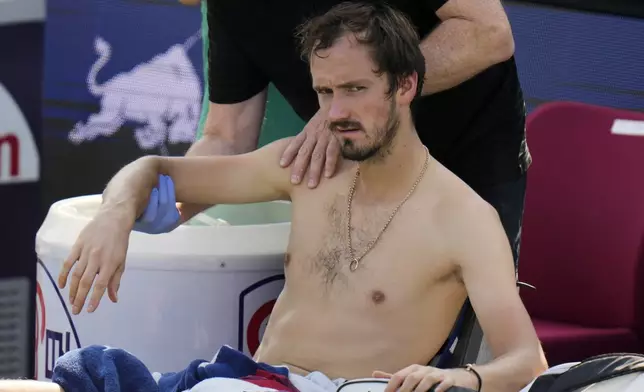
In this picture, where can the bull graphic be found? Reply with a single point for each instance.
(163, 95)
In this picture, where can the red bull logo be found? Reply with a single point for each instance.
(255, 306)
(55, 332)
(133, 97)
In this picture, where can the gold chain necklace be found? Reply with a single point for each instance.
(355, 261)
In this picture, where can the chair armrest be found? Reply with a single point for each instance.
(527, 285)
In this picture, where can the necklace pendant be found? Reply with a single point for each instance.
(354, 265)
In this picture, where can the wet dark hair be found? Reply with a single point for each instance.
(389, 34)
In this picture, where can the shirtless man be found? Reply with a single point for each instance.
(382, 300)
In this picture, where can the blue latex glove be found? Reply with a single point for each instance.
(161, 214)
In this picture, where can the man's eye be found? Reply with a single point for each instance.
(355, 89)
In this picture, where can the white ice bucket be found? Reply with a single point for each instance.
(183, 294)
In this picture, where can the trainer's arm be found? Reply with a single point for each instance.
(237, 92)
(473, 36)
(230, 129)
(487, 268)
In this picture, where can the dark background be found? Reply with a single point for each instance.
(20, 214)
(633, 8)
(562, 54)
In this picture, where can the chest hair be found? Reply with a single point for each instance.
(332, 259)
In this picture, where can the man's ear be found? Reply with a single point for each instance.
(407, 88)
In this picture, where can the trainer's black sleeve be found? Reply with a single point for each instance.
(232, 76)
(434, 5)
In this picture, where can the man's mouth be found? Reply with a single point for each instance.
(345, 127)
(348, 130)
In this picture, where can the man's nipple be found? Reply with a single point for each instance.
(377, 297)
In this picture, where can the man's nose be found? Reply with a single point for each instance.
(338, 110)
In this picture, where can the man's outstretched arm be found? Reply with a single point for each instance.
(485, 260)
(100, 249)
(233, 179)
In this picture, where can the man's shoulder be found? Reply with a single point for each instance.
(268, 158)
(470, 227)
(276, 147)
(460, 210)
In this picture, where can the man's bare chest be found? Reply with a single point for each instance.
(390, 250)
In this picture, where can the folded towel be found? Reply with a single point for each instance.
(106, 369)
(101, 368)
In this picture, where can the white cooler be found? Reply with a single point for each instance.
(183, 294)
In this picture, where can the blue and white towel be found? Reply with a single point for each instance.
(106, 369)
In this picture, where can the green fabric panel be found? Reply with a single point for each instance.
(204, 39)
(280, 120)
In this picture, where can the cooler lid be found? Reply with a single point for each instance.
(248, 231)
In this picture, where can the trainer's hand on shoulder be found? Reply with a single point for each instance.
(161, 214)
(314, 149)
(417, 378)
(98, 259)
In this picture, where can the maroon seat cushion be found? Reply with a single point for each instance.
(583, 228)
(570, 343)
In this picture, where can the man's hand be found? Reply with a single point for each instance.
(417, 378)
(99, 250)
(314, 148)
(101, 246)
